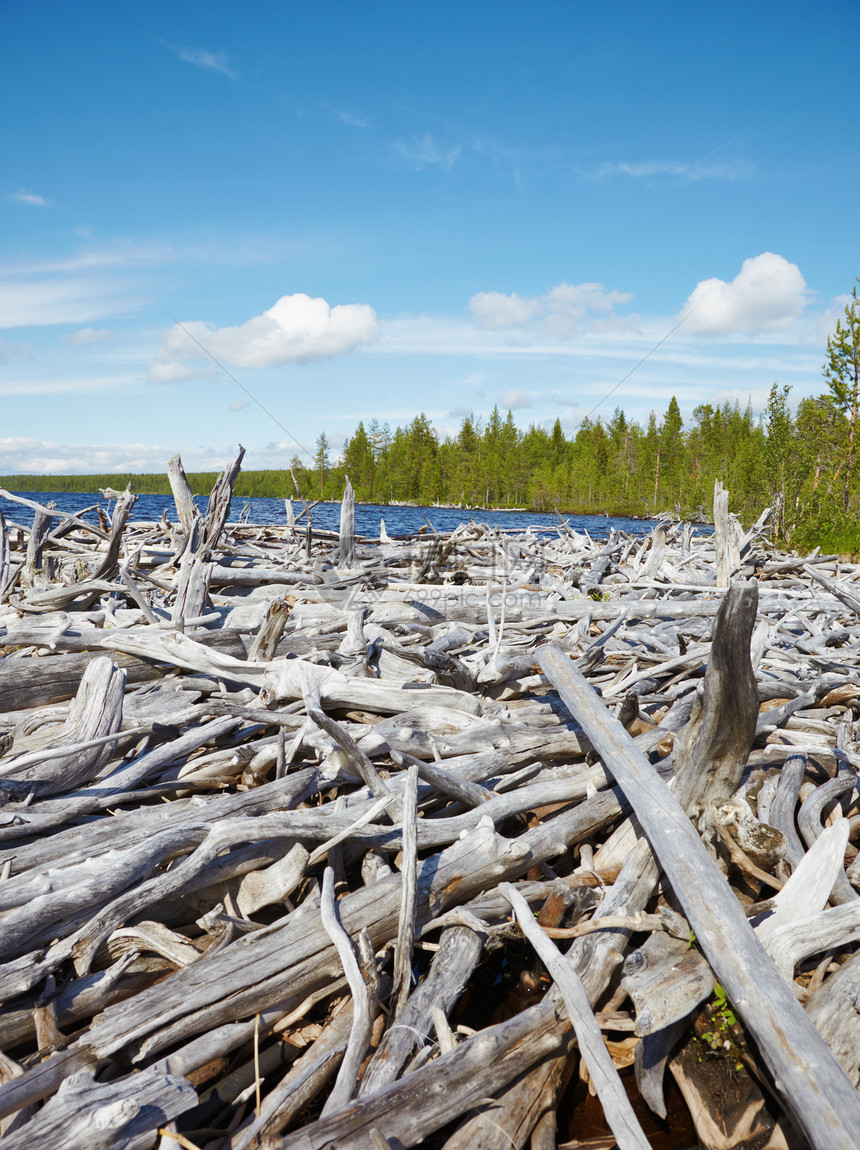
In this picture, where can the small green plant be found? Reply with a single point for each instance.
(723, 1009)
(720, 1036)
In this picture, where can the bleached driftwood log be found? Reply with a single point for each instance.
(817, 1094)
(160, 905)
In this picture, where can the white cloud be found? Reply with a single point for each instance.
(297, 329)
(426, 152)
(562, 310)
(203, 58)
(768, 294)
(24, 197)
(239, 405)
(689, 172)
(514, 399)
(88, 335)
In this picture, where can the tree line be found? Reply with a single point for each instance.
(802, 462)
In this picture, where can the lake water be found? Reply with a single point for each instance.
(399, 520)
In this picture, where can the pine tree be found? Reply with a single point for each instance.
(842, 371)
(321, 460)
(558, 444)
(359, 463)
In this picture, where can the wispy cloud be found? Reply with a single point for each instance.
(203, 58)
(349, 118)
(426, 152)
(23, 456)
(66, 386)
(108, 278)
(124, 252)
(88, 335)
(22, 196)
(561, 310)
(687, 172)
(69, 299)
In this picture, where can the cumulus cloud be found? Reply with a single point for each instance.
(426, 152)
(561, 310)
(768, 294)
(88, 335)
(514, 399)
(297, 329)
(22, 196)
(203, 58)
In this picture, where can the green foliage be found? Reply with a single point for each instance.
(841, 370)
(722, 1035)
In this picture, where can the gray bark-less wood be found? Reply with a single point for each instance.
(616, 1105)
(182, 866)
(218, 505)
(814, 1088)
(708, 769)
(186, 508)
(422, 1102)
(347, 527)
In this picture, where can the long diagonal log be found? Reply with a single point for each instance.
(813, 1087)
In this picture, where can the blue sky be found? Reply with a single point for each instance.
(376, 209)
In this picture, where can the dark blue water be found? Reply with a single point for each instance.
(398, 520)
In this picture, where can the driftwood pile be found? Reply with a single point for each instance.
(310, 840)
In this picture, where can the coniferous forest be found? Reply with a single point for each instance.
(802, 461)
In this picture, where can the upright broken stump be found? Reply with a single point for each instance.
(346, 552)
(711, 752)
(186, 508)
(218, 507)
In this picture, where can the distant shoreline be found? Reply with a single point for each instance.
(202, 482)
